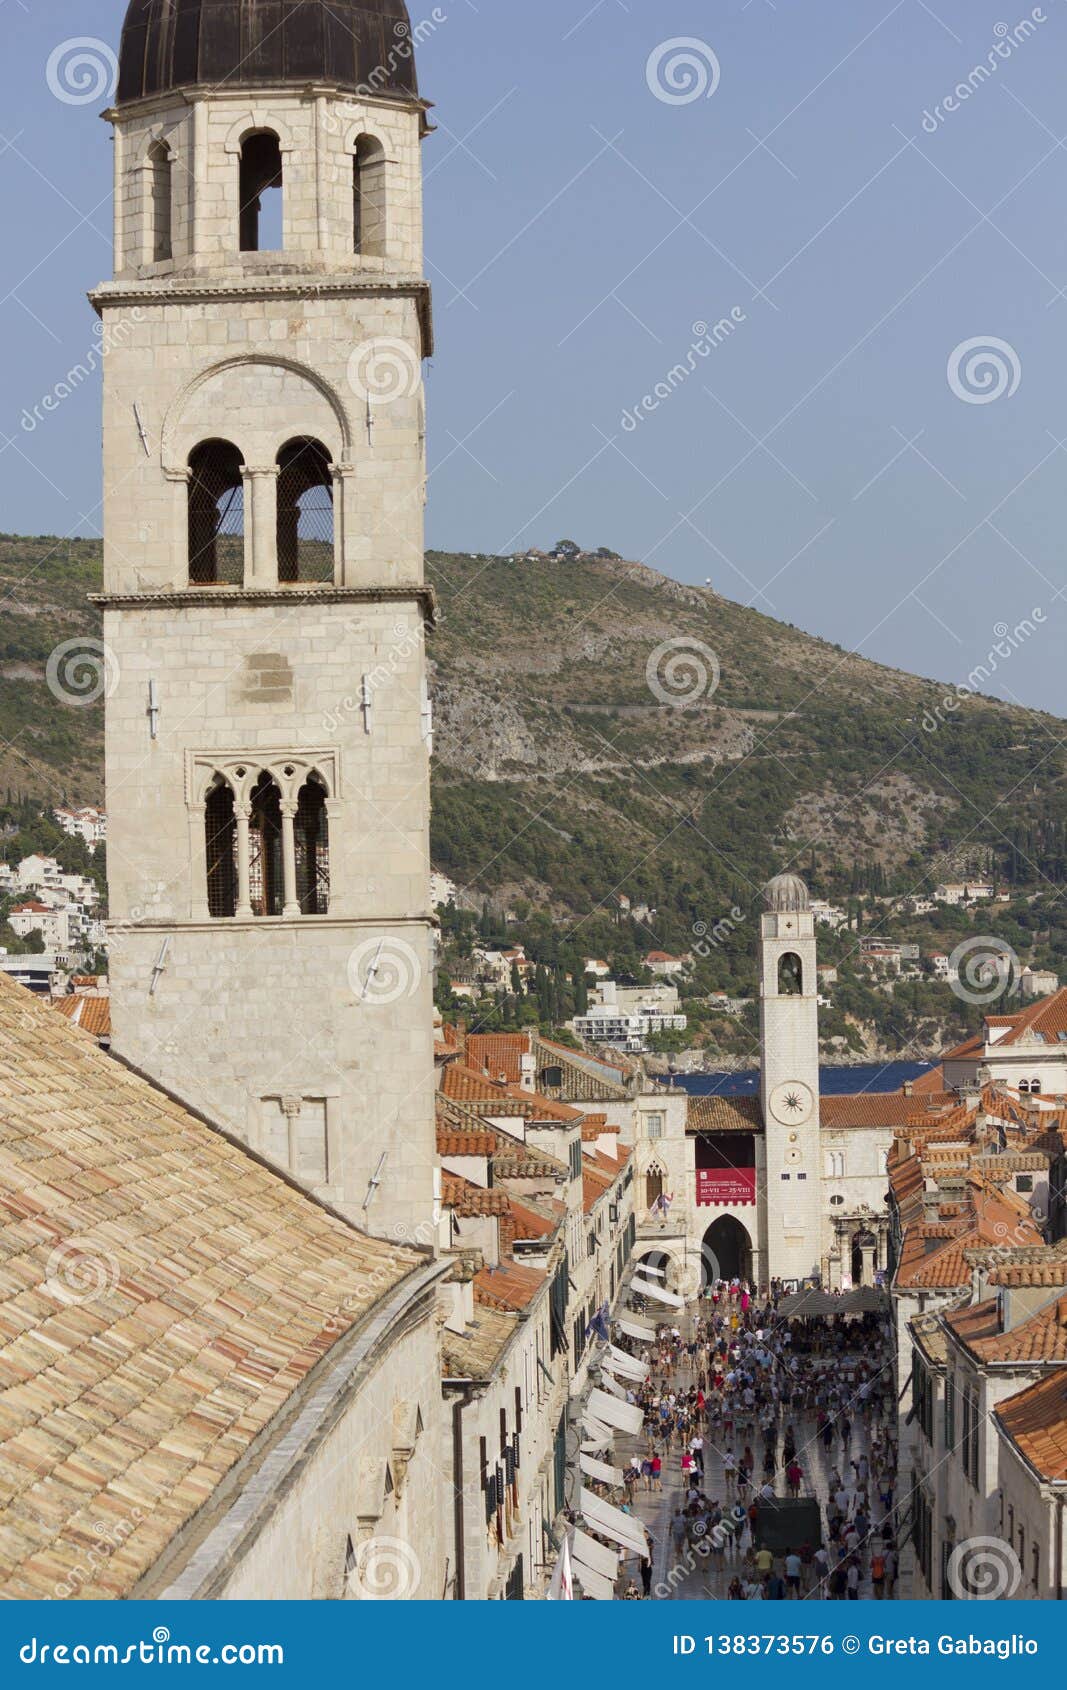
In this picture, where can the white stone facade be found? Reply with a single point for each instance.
(308, 1035)
(789, 1091)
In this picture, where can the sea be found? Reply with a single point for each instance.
(833, 1082)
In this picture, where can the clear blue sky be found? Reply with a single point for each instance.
(818, 464)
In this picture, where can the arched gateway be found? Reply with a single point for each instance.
(727, 1250)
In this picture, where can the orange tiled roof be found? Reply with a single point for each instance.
(469, 1199)
(1031, 1275)
(92, 1015)
(881, 1109)
(465, 1144)
(1036, 1422)
(163, 1296)
(507, 1286)
(1042, 1338)
(498, 1054)
(530, 1223)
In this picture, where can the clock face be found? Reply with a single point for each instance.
(792, 1103)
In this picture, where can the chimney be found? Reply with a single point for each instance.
(908, 1088)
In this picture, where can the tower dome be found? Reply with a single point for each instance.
(361, 45)
(787, 892)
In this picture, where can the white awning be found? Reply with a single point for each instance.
(626, 1367)
(609, 1382)
(642, 1322)
(596, 1429)
(626, 1416)
(657, 1273)
(601, 1471)
(561, 1587)
(594, 1555)
(645, 1288)
(611, 1522)
(632, 1330)
(593, 1585)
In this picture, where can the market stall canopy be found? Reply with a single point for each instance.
(646, 1267)
(822, 1305)
(597, 1588)
(597, 1431)
(610, 1383)
(597, 1556)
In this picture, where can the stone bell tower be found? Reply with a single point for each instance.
(268, 723)
(789, 1085)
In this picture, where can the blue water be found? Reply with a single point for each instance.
(833, 1082)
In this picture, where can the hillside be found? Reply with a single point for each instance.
(562, 778)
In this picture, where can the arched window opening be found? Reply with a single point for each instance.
(312, 849)
(261, 197)
(305, 513)
(220, 839)
(216, 514)
(265, 872)
(790, 976)
(160, 185)
(368, 198)
(654, 1181)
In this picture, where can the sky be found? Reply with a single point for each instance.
(873, 443)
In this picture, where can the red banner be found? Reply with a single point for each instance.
(725, 1186)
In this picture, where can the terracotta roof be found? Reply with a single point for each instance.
(881, 1109)
(1036, 1422)
(465, 1144)
(528, 1223)
(162, 1296)
(499, 1054)
(594, 1127)
(1042, 1338)
(724, 1115)
(508, 1286)
(92, 1015)
(1044, 1015)
(473, 1353)
(1031, 1275)
(468, 1199)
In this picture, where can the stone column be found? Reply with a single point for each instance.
(261, 523)
(291, 905)
(198, 904)
(867, 1253)
(198, 208)
(242, 814)
(179, 527)
(120, 199)
(291, 1109)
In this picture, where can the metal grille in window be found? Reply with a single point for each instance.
(490, 1499)
(516, 1451)
(265, 849)
(216, 514)
(312, 850)
(220, 839)
(305, 513)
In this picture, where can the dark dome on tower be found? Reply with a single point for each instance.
(361, 45)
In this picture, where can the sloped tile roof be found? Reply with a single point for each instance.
(465, 1144)
(498, 1054)
(1036, 1421)
(92, 1015)
(470, 1200)
(724, 1115)
(1042, 1338)
(473, 1353)
(508, 1286)
(161, 1298)
(881, 1109)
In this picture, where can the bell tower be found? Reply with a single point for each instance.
(268, 723)
(789, 1084)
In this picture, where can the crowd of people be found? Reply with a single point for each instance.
(744, 1413)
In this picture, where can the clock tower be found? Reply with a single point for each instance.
(789, 1038)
